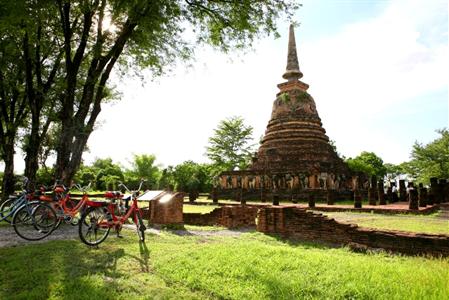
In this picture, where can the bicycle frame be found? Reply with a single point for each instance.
(71, 211)
(60, 206)
(120, 220)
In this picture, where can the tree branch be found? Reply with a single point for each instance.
(52, 75)
(64, 11)
(38, 57)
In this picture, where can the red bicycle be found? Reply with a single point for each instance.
(97, 221)
(67, 209)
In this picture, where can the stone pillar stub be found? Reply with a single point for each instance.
(422, 197)
(413, 199)
(330, 197)
(311, 200)
(380, 193)
(402, 190)
(357, 199)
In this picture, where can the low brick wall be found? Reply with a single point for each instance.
(227, 216)
(379, 210)
(294, 222)
(209, 219)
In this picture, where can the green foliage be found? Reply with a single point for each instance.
(393, 169)
(431, 160)
(368, 163)
(86, 175)
(45, 176)
(108, 174)
(284, 98)
(103, 174)
(167, 180)
(143, 167)
(303, 97)
(192, 177)
(230, 147)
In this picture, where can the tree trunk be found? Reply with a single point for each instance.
(64, 149)
(8, 175)
(76, 157)
(32, 151)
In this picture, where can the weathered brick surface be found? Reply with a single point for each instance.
(294, 222)
(209, 219)
(170, 212)
(227, 216)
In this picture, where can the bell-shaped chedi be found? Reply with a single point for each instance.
(295, 140)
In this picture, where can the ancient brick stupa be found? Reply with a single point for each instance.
(295, 140)
(295, 155)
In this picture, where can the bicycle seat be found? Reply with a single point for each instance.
(46, 198)
(59, 189)
(112, 194)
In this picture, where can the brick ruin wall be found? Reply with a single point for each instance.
(226, 216)
(297, 223)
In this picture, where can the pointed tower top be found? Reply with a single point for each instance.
(292, 72)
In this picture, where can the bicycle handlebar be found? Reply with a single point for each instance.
(140, 186)
(82, 188)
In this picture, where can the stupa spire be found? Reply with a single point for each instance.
(292, 72)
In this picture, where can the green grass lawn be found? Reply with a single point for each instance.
(204, 209)
(250, 266)
(414, 223)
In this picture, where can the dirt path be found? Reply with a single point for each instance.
(9, 238)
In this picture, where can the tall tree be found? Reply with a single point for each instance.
(368, 163)
(97, 35)
(24, 32)
(430, 160)
(107, 174)
(13, 105)
(230, 146)
(144, 166)
(192, 177)
(167, 180)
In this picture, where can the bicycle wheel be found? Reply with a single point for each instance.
(34, 221)
(94, 226)
(140, 226)
(7, 210)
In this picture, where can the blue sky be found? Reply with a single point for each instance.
(378, 71)
(323, 18)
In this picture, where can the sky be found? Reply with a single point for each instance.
(377, 70)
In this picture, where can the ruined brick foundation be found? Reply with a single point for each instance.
(297, 223)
